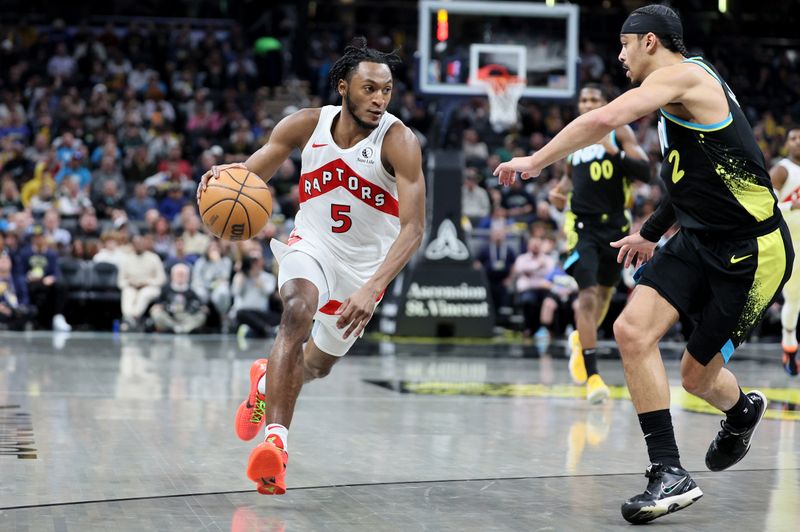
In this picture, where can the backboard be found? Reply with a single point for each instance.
(531, 40)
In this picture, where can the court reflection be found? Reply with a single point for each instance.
(247, 519)
(591, 429)
(783, 510)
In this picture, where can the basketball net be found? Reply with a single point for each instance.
(504, 92)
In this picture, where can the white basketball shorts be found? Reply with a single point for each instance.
(302, 260)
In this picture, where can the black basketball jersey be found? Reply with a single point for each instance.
(715, 174)
(598, 184)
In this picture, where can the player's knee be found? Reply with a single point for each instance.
(694, 382)
(587, 302)
(629, 336)
(297, 314)
(623, 330)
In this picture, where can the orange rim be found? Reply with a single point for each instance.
(497, 77)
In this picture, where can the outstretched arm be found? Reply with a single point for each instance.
(660, 88)
(401, 150)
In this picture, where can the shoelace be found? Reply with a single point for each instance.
(653, 473)
(728, 430)
(259, 410)
(271, 440)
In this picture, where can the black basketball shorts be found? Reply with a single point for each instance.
(725, 286)
(592, 260)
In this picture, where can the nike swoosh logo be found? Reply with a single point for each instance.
(736, 259)
(318, 145)
(669, 489)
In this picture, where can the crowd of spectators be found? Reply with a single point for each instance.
(105, 131)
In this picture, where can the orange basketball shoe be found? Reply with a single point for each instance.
(250, 414)
(267, 466)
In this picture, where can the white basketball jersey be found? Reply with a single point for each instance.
(348, 201)
(789, 192)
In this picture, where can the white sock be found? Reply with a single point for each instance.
(280, 431)
(262, 384)
(789, 338)
(789, 313)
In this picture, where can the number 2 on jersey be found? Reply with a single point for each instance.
(339, 214)
(675, 158)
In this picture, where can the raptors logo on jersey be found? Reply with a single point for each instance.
(348, 201)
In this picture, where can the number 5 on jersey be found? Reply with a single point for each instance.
(339, 213)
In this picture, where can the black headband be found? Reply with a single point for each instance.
(641, 23)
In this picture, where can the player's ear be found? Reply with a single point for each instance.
(650, 41)
(341, 87)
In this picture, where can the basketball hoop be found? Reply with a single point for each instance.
(503, 91)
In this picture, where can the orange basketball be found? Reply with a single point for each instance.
(237, 205)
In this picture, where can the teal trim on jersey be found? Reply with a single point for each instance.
(572, 259)
(699, 127)
(614, 139)
(692, 125)
(727, 351)
(695, 60)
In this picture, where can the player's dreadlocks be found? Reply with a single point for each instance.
(355, 53)
(671, 41)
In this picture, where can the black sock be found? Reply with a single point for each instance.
(590, 361)
(743, 413)
(660, 437)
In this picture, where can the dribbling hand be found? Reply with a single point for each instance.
(214, 174)
(634, 248)
(507, 171)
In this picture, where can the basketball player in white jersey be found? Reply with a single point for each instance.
(361, 218)
(786, 179)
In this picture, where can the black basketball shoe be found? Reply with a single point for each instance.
(731, 445)
(670, 489)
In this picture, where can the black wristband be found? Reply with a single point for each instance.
(650, 233)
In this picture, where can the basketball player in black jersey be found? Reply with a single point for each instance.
(599, 178)
(723, 268)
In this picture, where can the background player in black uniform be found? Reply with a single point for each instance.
(728, 262)
(599, 178)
